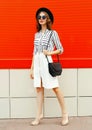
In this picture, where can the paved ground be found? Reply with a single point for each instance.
(76, 123)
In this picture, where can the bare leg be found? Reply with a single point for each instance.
(40, 100)
(60, 97)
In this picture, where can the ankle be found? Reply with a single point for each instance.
(64, 114)
(41, 116)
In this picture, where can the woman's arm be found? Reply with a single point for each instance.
(32, 65)
(32, 69)
(52, 52)
(57, 42)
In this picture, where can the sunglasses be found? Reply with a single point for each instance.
(41, 17)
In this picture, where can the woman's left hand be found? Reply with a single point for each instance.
(46, 52)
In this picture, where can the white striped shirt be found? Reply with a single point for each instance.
(41, 41)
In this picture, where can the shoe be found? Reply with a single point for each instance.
(35, 122)
(65, 119)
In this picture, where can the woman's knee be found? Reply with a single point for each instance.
(56, 89)
(39, 89)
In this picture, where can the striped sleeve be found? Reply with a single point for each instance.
(56, 41)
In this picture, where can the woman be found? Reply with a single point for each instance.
(39, 68)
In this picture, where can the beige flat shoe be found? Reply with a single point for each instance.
(35, 122)
(65, 119)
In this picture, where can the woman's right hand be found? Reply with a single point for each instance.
(31, 74)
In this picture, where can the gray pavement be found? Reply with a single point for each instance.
(75, 123)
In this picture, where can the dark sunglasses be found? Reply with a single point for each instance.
(41, 17)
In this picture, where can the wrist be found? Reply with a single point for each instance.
(31, 69)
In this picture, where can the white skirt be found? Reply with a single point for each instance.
(41, 73)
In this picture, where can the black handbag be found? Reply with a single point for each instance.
(55, 68)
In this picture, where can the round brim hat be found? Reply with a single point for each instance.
(47, 11)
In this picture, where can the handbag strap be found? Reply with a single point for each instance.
(47, 47)
(49, 38)
(57, 58)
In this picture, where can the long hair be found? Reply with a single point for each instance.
(49, 23)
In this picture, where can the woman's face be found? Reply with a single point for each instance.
(42, 18)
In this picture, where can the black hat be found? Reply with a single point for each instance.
(47, 11)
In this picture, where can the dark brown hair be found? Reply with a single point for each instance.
(49, 23)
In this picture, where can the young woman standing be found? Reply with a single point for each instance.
(39, 68)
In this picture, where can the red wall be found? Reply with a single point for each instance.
(73, 22)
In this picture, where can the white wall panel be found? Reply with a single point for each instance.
(85, 82)
(51, 108)
(71, 104)
(4, 83)
(23, 107)
(85, 106)
(4, 108)
(20, 83)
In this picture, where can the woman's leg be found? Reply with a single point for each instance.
(60, 97)
(40, 100)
